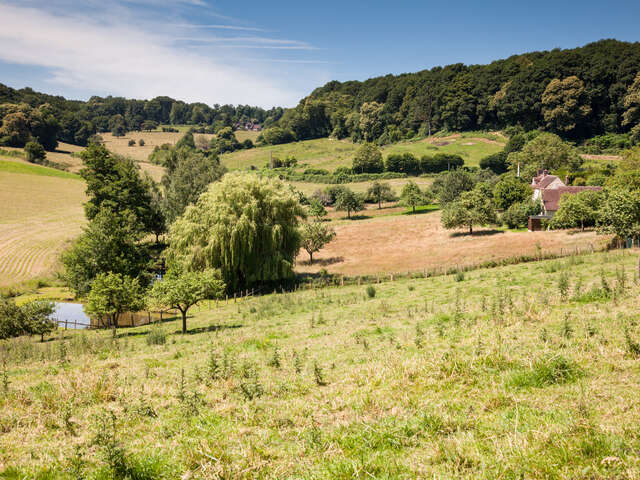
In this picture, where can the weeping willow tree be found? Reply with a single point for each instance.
(244, 225)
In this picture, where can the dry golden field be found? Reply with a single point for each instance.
(39, 212)
(400, 243)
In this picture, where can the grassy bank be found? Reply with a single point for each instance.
(526, 371)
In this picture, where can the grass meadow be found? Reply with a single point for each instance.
(330, 153)
(526, 371)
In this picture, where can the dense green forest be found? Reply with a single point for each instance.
(575, 93)
(47, 118)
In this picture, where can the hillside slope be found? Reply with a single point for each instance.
(40, 210)
(499, 375)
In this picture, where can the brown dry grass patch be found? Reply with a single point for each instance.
(415, 242)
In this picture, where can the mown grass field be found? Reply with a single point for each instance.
(40, 210)
(527, 371)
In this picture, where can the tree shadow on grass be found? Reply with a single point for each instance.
(358, 217)
(192, 331)
(210, 328)
(323, 262)
(481, 233)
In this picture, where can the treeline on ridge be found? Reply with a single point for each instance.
(575, 93)
(27, 114)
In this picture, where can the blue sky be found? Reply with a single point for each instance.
(274, 53)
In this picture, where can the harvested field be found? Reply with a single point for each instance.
(402, 243)
(121, 146)
(38, 215)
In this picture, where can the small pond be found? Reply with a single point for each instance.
(72, 313)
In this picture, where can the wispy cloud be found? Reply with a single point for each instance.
(250, 42)
(125, 55)
(220, 27)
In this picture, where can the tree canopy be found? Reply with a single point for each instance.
(244, 225)
(314, 236)
(183, 290)
(470, 209)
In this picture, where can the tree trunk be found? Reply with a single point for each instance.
(379, 203)
(349, 213)
(184, 320)
(310, 258)
(414, 208)
(470, 229)
(115, 324)
(582, 226)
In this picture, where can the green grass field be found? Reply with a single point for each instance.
(528, 371)
(9, 166)
(329, 154)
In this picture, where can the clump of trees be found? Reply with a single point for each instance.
(32, 318)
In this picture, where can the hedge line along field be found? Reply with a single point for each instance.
(40, 210)
(526, 371)
(329, 153)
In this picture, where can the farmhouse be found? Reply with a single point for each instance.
(548, 190)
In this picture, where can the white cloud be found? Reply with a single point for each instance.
(101, 54)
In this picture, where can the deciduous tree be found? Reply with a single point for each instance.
(113, 294)
(411, 196)
(380, 191)
(565, 103)
(349, 201)
(183, 290)
(314, 236)
(368, 159)
(472, 208)
(244, 225)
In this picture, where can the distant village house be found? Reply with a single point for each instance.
(548, 190)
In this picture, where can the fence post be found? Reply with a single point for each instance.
(65, 323)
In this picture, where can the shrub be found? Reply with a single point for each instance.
(35, 152)
(132, 142)
(496, 162)
(371, 291)
(517, 215)
(440, 162)
(141, 142)
(403, 163)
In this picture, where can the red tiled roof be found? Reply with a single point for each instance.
(551, 197)
(543, 181)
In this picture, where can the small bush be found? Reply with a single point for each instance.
(371, 291)
(459, 276)
(141, 142)
(35, 152)
(132, 142)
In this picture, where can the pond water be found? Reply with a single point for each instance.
(73, 313)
